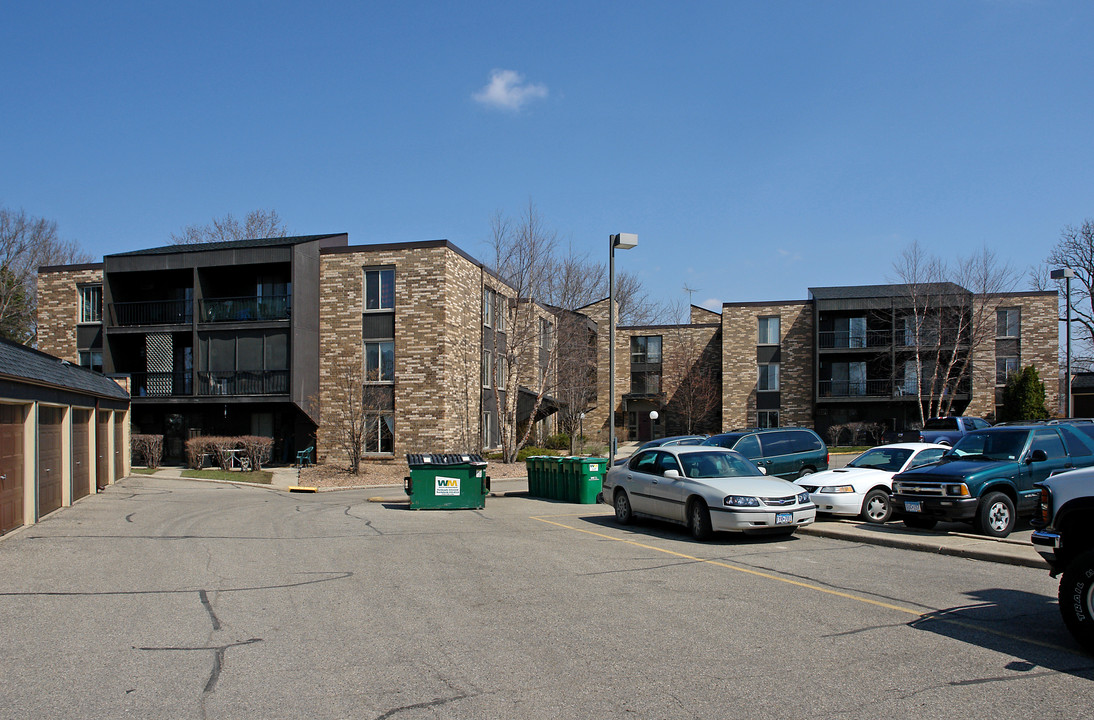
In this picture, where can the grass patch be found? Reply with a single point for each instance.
(849, 448)
(261, 477)
(143, 471)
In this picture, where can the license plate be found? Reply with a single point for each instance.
(913, 506)
(784, 518)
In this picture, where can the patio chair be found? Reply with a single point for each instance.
(303, 458)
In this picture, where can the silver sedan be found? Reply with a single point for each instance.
(707, 489)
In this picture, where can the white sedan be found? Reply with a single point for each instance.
(708, 489)
(863, 487)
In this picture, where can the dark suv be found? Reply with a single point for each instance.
(788, 453)
(988, 477)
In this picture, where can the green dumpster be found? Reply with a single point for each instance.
(541, 476)
(535, 482)
(554, 475)
(590, 479)
(446, 482)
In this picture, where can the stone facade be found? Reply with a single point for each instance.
(438, 341)
(59, 307)
(740, 349)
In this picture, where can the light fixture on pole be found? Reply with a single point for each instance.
(623, 241)
(1066, 274)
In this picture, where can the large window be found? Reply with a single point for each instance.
(769, 378)
(379, 289)
(646, 382)
(380, 361)
(380, 435)
(91, 304)
(487, 368)
(92, 359)
(489, 300)
(646, 349)
(1004, 366)
(767, 419)
(768, 331)
(1007, 322)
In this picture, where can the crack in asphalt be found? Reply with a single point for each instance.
(334, 575)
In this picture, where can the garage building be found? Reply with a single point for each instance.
(63, 434)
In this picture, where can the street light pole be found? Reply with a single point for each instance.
(623, 241)
(1066, 274)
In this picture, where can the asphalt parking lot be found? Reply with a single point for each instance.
(171, 598)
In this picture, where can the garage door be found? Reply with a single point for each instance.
(50, 443)
(119, 445)
(11, 467)
(81, 454)
(103, 449)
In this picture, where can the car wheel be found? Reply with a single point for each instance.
(1077, 599)
(920, 523)
(622, 504)
(876, 507)
(699, 520)
(995, 516)
(806, 471)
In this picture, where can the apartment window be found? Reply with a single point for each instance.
(1004, 366)
(769, 378)
(488, 434)
(379, 290)
(92, 359)
(488, 300)
(768, 331)
(646, 349)
(503, 371)
(380, 361)
(546, 334)
(646, 382)
(487, 368)
(1007, 323)
(911, 378)
(380, 435)
(91, 303)
(767, 419)
(501, 313)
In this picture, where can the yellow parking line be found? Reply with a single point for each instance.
(828, 591)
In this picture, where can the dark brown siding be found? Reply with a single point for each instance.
(50, 474)
(119, 445)
(11, 467)
(102, 450)
(81, 464)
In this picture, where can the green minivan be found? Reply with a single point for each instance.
(789, 453)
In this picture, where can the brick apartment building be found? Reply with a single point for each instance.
(846, 354)
(268, 336)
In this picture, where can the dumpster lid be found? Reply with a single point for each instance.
(428, 459)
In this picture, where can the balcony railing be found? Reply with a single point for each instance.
(152, 312)
(246, 309)
(244, 382)
(162, 384)
(872, 389)
(829, 339)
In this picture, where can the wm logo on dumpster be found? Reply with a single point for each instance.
(447, 486)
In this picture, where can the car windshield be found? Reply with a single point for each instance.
(888, 459)
(716, 465)
(994, 445)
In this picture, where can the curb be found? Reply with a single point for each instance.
(924, 545)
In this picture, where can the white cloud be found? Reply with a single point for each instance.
(508, 91)
(792, 257)
(712, 304)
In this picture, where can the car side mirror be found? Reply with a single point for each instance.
(1038, 455)
(672, 474)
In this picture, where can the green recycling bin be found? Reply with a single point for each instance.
(554, 475)
(531, 464)
(446, 482)
(540, 466)
(590, 479)
(571, 469)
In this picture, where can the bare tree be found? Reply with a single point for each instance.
(257, 224)
(699, 392)
(524, 256)
(26, 244)
(357, 408)
(951, 318)
(1075, 250)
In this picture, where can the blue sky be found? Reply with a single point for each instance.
(756, 148)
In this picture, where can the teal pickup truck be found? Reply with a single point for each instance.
(988, 477)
